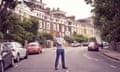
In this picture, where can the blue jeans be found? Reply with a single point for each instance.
(60, 52)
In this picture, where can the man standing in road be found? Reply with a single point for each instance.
(60, 43)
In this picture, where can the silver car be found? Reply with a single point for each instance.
(6, 57)
(18, 50)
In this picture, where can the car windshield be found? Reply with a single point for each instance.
(8, 45)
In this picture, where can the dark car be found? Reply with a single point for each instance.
(6, 57)
(93, 46)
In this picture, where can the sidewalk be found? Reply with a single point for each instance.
(111, 54)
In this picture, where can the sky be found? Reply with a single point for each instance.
(77, 8)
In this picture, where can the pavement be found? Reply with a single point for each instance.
(110, 53)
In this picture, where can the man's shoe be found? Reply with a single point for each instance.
(56, 68)
(64, 67)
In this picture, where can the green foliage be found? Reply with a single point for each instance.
(4, 11)
(80, 38)
(11, 26)
(43, 37)
(15, 29)
(107, 14)
(68, 39)
(1, 35)
(46, 36)
(35, 26)
(92, 39)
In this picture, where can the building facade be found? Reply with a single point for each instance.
(86, 27)
(55, 20)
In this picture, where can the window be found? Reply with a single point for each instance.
(40, 24)
(48, 26)
(63, 28)
(54, 26)
(58, 27)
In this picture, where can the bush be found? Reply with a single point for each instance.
(92, 39)
(43, 37)
(68, 39)
(80, 38)
(1, 35)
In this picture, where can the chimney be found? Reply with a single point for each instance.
(48, 9)
(53, 9)
(58, 9)
(41, 1)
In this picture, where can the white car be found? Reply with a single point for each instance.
(75, 44)
(18, 50)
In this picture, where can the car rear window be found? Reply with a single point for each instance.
(33, 44)
(91, 44)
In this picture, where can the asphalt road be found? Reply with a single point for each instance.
(77, 60)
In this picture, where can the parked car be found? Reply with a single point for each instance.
(75, 44)
(93, 46)
(18, 51)
(34, 47)
(6, 57)
(84, 43)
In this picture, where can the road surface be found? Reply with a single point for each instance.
(78, 59)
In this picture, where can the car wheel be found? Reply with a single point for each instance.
(2, 67)
(97, 49)
(26, 57)
(89, 49)
(12, 62)
(40, 51)
(18, 58)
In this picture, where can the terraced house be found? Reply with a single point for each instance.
(86, 27)
(50, 20)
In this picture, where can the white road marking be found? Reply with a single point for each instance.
(67, 71)
(15, 65)
(85, 55)
(96, 59)
(90, 58)
(112, 66)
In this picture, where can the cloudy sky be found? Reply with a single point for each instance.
(77, 8)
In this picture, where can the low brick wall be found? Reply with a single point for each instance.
(118, 46)
(115, 46)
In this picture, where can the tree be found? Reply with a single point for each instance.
(92, 39)
(20, 30)
(107, 14)
(68, 39)
(5, 9)
(43, 37)
(80, 38)
(1, 35)
(35, 26)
